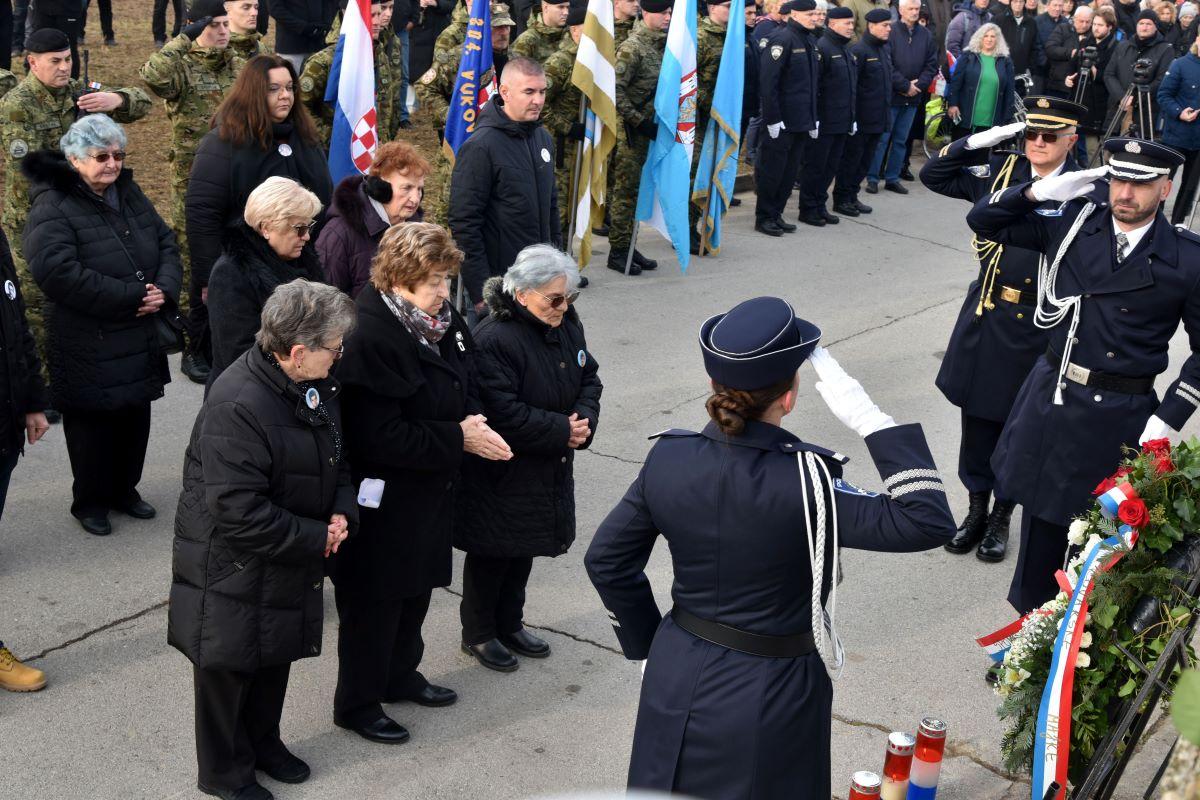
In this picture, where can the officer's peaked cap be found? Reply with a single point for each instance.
(199, 9)
(47, 40)
(878, 15)
(656, 6)
(1052, 113)
(1139, 160)
(757, 343)
(841, 12)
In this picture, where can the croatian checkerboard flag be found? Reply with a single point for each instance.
(351, 92)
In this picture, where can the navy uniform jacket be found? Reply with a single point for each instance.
(989, 355)
(877, 79)
(713, 722)
(837, 84)
(750, 79)
(763, 31)
(787, 75)
(1051, 457)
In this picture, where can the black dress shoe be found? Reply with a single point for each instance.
(895, 186)
(995, 540)
(139, 509)
(862, 207)
(290, 770)
(526, 644)
(433, 696)
(194, 367)
(972, 529)
(252, 792)
(770, 227)
(734, 202)
(616, 262)
(906, 175)
(492, 655)
(646, 264)
(845, 209)
(787, 226)
(832, 219)
(583, 282)
(816, 220)
(96, 524)
(384, 730)
(872, 187)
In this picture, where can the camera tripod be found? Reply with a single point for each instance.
(1142, 125)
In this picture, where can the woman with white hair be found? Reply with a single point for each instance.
(540, 390)
(982, 89)
(271, 246)
(109, 268)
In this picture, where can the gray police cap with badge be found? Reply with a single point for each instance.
(757, 343)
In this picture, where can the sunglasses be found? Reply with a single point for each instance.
(304, 228)
(558, 300)
(102, 158)
(1048, 138)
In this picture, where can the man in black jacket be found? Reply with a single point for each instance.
(502, 191)
(1021, 33)
(914, 58)
(302, 27)
(837, 79)
(1147, 43)
(1062, 48)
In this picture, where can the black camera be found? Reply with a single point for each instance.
(1143, 72)
(1088, 56)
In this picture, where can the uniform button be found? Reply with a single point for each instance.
(1029, 280)
(1110, 354)
(1074, 340)
(562, 365)
(1097, 398)
(564, 459)
(331, 461)
(1062, 384)
(1020, 315)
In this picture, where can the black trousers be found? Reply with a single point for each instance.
(107, 451)
(856, 163)
(264, 16)
(493, 599)
(237, 723)
(199, 336)
(106, 19)
(158, 19)
(6, 34)
(979, 439)
(1187, 187)
(68, 24)
(1043, 548)
(379, 650)
(775, 172)
(823, 155)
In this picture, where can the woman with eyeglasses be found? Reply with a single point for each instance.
(541, 391)
(412, 415)
(271, 246)
(109, 268)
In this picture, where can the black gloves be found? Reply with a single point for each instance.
(194, 30)
(577, 132)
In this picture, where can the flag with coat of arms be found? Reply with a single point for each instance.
(469, 96)
(351, 93)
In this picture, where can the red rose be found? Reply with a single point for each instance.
(1158, 447)
(1122, 472)
(1133, 512)
(1103, 486)
(1163, 464)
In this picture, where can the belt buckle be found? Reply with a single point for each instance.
(1010, 295)
(1078, 374)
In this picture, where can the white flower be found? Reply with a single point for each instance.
(1077, 533)
(1083, 661)
(1062, 597)
(1085, 641)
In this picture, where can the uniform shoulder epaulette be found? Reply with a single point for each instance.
(805, 447)
(1187, 233)
(673, 433)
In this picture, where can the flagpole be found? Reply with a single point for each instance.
(633, 237)
(574, 186)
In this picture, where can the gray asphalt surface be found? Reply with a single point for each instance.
(116, 719)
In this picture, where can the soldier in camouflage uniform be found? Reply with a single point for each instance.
(434, 89)
(560, 115)
(34, 115)
(545, 32)
(450, 40)
(389, 63)
(244, 38)
(710, 39)
(8, 82)
(638, 62)
(625, 13)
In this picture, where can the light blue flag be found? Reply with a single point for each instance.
(718, 165)
(663, 195)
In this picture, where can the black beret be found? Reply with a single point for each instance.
(656, 6)
(841, 12)
(576, 15)
(799, 5)
(556, 2)
(47, 40)
(757, 343)
(1148, 14)
(199, 9)
(879, 15)
(719, 2)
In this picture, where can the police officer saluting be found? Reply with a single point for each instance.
(788, 91)
(837, 80)
(777, 510)
(1112, 302)
(995, 342)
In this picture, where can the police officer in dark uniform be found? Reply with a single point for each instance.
(787, 75)
(1116, 292)
(995, 342)
(776, 510)
(837, 79)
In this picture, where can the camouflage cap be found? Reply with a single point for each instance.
(501, 16)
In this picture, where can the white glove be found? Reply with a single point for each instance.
(813, 133)
(994, 136)
(773, 130)
(643, 665)
(846, 397)
(853, 128)
(1155, 429)
(1067, 185)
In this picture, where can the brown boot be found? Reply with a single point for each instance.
(16, 677)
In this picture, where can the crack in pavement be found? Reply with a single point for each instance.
(910, 236)
(595, 452)
(893, 321)
(89, 634)
(547, 628)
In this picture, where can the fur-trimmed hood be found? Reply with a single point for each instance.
(49, 170)
(350, 202)
(503, 307)
(250, 253)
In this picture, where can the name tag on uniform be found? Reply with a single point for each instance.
(869, 60)
(849, 488)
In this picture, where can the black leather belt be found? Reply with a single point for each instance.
(755, 644)
(1010, 295)
(1101, 380)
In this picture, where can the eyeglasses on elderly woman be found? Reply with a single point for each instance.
(557, 301)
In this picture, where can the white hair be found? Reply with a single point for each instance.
(976, 43)
(536, 266)
(822, 5)
(92, 132)
(1084, 11)
(909, 3)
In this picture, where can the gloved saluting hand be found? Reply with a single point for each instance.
(1066, 186)
(994, 136)
(846, 397)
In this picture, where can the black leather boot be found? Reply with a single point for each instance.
(995, 540)
(973, 527)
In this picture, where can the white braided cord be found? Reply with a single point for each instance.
(1047, 294)
(824, 624)
(918, 486)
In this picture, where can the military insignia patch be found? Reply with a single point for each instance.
(306, 84)
(776, 52)
(428, 77)
(849, 488)
(18, 148)
(762, 43)
(980, 171)
(1133, 147)
(1043, 103)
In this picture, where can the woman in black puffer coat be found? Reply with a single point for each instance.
(108, 266)
(540, 391)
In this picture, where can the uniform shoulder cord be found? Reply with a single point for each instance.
(989, 252)
(824, 625)
(1052, 309)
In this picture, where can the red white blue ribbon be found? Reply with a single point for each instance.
(1111, 500)
(998, 643)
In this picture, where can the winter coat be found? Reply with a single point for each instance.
(877, 81)
(914, 57)
(503, 195)
(351, 236)
(1096, 95)
(965, 81)
(92, 262)
(1174, 35)
(1045, 27)
(21, 388)
(302, 25)
(750, 101)
(967, 20)
(531, 378)
(430, 22)
(1127, 14)
(244, 277)
(260, 484)
(1024, 45)
(1118, 75)
(403, 404)
(1180, 89)
(1062, 53)
(223, 176)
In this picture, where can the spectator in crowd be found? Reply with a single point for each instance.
(969, 16)
(1095, 94)
(1127, 16)
(301, 27)
(271, 246)
(981, 91)
(62, 15)
(158, 20)
(819, 17)
(1146, 43)
(1062, 50)
(364, 207)
(412, 412)
(541, 392)
(259, 131)
(502, 191)
(405, 15)
(860, 8)
(1179, 100)
(20, 21)
(1020, 34)
(244, 36)
(1049, 19)
(23, 421)
(106, 21)
(432, 18)
(266, 498)
(773, 18)
(1168, 25)
(109, 268)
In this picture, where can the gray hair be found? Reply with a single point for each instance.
(536, 266)
(976, 43)
(908, 3)
(93, 132)
(1084, 10)
(822, 5)
(304, 312)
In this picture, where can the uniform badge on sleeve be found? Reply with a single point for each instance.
(776, 52)
(306, 84)
(849, 488)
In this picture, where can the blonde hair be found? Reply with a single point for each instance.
(1169, 6)
(410, 252)
(278, 199)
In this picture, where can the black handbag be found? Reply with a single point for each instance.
(168, 322)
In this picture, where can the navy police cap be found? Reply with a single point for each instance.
(1139, 160)
(757, 343)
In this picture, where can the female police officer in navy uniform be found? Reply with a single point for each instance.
(736, 700)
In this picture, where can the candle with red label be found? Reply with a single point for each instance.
(896, 766)
(927, 760)
(864, 786)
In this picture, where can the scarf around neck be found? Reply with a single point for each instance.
(426, 329)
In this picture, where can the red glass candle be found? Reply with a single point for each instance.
(864, 786)
(896, 766)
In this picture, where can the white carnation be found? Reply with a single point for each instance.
(1077, 533)
(1083, 661)
(1085, 641)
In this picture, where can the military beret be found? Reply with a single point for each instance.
(576, 15)
(656, 6)
(1139, 160)
(199, 9)
(840, 12)
(757, 343)
(47, 40)
(799, 5)
(501, 16)
(1148, 14)
(719, 2)
(556, 2)
(878, 15)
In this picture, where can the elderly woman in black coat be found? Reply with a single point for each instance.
(411, 414)
(109, 268)
(541, 392)
(266, 499)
